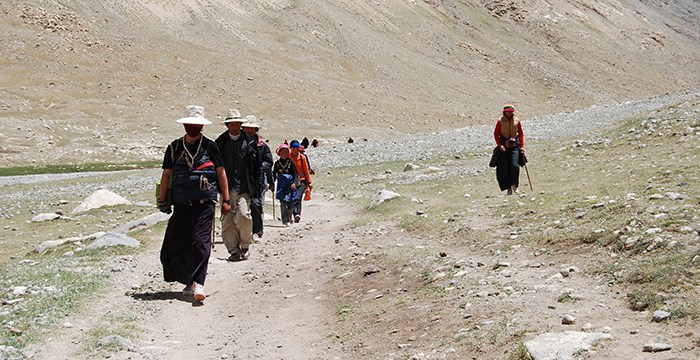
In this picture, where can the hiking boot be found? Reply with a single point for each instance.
(187, 291)
(199, 294)
(297, 218)
(259, 233)
(245, 254)
(510, 191)
(234, 257)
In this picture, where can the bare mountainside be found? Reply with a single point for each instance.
(103, 81)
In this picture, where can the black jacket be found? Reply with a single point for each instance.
(242, 164)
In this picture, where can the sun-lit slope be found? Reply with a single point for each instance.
(346, 67)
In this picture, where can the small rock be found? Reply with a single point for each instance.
(676, 196)
(686, 229)
(660, 315)
(371, 270)
(19, 290)
(652, 231)
(410, 166)
(656, 347)
(568, 319)
(46, 217)
(597, 205)
(121, 342)
(499, 265)
(443, 254)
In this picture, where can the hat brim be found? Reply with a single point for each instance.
(251, 125)
(509, 110)
(194, 121)
(235, 120)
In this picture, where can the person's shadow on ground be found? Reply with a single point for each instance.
(163, 295)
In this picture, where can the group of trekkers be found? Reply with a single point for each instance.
(235, 170)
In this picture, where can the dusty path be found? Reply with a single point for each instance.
(271, 306)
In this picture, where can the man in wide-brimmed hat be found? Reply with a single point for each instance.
(242, 165)
(193, 169)
(252, 128)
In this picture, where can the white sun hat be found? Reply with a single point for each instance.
(234, 116)
(252, 122)
(194, 116)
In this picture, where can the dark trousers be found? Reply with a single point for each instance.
(508, 170)
(286, 211)
(187, 243)
(298, 198)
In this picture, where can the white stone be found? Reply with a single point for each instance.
(100, 198)
(113, 239)
(46, 217)
(562, 346)
(382, 196)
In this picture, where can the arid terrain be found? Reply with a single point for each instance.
(450, 269)
(110, 78)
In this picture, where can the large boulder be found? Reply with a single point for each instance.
(142, 223)
(113, 239)
(100, 198)
(562, 346)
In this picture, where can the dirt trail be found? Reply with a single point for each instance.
(270, 306)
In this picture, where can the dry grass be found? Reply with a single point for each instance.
(566, 219)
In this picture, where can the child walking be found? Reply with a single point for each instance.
(285, 173)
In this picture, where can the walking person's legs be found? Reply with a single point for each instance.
(286, 212)
(298, 198)
(503, 172)
(514, 168)
(244, 224)
(203, 216)
(229, 229)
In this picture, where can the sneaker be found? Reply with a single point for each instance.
(234, 257)
(187, 291)
(297, 218)
(199, 294)
(244, 254)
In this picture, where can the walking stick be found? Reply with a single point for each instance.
(528, 177)
(274, 217)
(213, 230)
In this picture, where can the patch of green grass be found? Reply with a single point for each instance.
(669, 274)
(54, 291)
(71, 168)
(345, 311)
(124, 325)
(520, 353)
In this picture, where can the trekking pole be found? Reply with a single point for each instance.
(528, 177)
(213, 229)
(274, 217)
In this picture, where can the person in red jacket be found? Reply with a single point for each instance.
(304, 177)
(509, 138)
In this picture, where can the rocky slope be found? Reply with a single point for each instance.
(110, 77)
